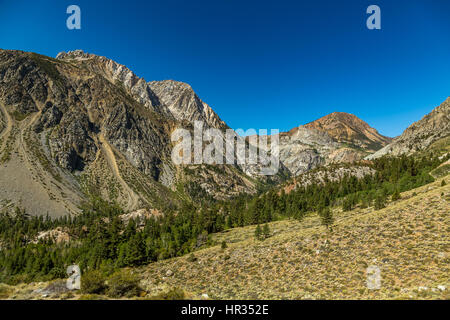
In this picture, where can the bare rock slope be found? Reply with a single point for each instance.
(421, 134)
(349, 129)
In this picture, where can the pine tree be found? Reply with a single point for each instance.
(443, 183)
(380, 201)
(347, 204)
(266, 231)
(224, 245)
(396, 196)
(326, 217)
(258, 233)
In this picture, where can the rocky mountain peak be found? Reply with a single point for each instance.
(75, 54)
(349, 129)
(117, 74)
(340, 117)
(184, 104)
(172, 98)
(336, 138)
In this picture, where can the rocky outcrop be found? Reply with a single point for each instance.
(184, 104)
(117, 74)
(173, 99)
(58, 235)
(302, 149)
(421, 134)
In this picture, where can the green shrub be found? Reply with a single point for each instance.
(5, 291)
(192, 258)
(347, 205)
(266, 231)
(224, 245)
(123, 284)
(258, 233)
(173, 294)
(396, 196)
(326, 218)
(93, 282)
(19, 116)
(380, 201)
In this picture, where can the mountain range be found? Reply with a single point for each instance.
(83, 126)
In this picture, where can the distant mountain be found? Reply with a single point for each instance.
(421, 134)
(349, 129)
(336, 138)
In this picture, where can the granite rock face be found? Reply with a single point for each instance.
(184, 104)
(302, 149)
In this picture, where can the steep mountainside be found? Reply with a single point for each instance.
(332, 172)
(84, 125)
(421, 134)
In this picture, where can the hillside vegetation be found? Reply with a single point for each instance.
(409, 241)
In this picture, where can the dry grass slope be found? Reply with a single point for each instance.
(408, 240)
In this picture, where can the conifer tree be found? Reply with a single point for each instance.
(326, 217)
(347, 204)
(396, 196)
(380, 201)
(258, 232)
(224, 245)
(266, 231)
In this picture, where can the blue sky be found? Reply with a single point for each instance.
(260, 64)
